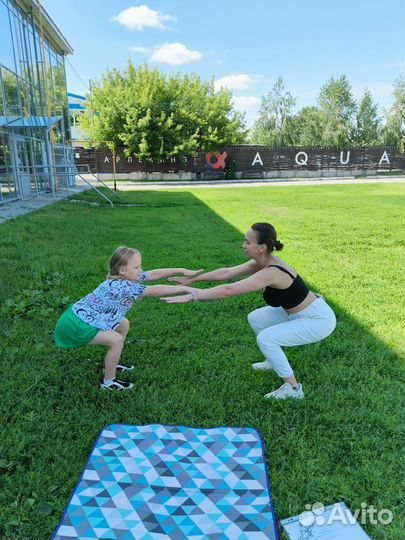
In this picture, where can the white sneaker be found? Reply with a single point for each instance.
(286, 391)
(262, 366)
(116, 385)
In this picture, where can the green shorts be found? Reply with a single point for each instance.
(72, 332)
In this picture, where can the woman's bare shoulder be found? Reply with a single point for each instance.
(284, 265)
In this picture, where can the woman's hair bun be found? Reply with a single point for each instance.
(266, 234)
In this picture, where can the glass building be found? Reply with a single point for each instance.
(35, 151)
(77, 106)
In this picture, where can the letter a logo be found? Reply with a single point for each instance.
(384, 158)
(257, 159)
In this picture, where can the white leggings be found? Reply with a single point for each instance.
(275, 327)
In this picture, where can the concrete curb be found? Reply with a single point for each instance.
(135, 186)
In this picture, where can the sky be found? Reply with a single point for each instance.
(245, 45)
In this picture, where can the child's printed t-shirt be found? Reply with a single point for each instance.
(106, 306)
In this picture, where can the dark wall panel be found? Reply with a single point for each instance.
(250, 159)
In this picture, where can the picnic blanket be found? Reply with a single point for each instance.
(159, 482)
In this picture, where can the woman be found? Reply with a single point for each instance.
(294, 314)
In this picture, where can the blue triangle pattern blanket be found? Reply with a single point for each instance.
(159, 482)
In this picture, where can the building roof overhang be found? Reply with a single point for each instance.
(51, 31)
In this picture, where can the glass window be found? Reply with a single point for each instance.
(57, 134)
(2, 104)
(66, 124)
(34, 100)
(21, 24)
(40, 66)
(25, 97)
(39, 160)
(7, 181)
(28, 64)
(49, 73)
(4, 152)
(33, 57)
(55, 75)
(39, 43)
(52, 107)
(19, 51)
(21, 46)
(10, 85)
(39, 102)
(6, 41)
(62, 81)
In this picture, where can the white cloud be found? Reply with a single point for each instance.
(175, 54)
(237, 81)
(140, 17)
(141, 50)
(244, 103)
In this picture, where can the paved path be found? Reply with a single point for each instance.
(16, 208)
(13, 209)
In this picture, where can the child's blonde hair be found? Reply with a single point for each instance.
(120, 258)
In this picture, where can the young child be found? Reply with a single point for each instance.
(99, 317)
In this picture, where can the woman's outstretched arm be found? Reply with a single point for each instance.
(258, 281)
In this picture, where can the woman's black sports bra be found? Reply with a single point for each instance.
(286, 298)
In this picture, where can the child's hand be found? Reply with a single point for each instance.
(177, 299)
(180, 280)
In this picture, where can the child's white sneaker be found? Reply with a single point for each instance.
(116, 385)
(286, 391)
(262, 366)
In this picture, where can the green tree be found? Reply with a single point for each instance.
(274, 126)
(394, 130)
(308, 127)
(157, 116)
(368, 122)
(338, 108)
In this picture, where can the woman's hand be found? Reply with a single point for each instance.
(177, 299)
(191, 273)
(189, 276)
(193, 294)
(190, 289)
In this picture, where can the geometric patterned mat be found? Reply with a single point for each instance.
(160, 482)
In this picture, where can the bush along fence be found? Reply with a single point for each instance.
(247, 161)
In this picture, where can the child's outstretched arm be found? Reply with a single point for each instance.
(160, 273)
(221, 274)
(159, 290)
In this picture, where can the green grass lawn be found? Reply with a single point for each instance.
(343, 442)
